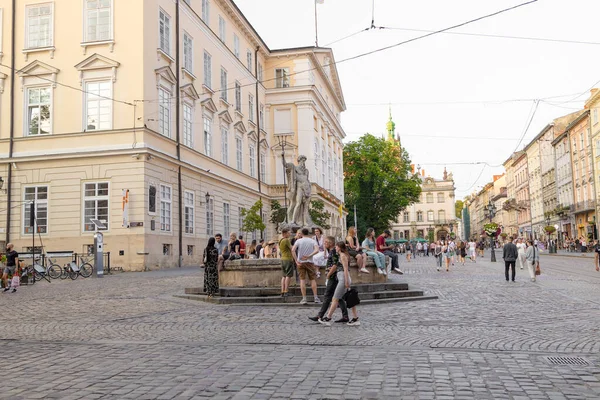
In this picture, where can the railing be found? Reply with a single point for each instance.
(443, 221)
(585, 206)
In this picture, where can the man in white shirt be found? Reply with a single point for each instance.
(303, 251)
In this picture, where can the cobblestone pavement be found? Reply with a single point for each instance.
(126, 336)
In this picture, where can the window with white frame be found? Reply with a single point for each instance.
(165, 208)
(98, 105)
(205, 10)
(263, 167)
(430, 216)
(39, 25)
(210, 217)
(238, 97)
(236, 45)
(405, 216)
(323, 164)
(39, 110)
(164, 32)
(251, 107)
(226, 218)
(224, 84)
(419, 216)
(188, 53)
(188, 125)
(164, 112)
(261, 115)
(441, 215)
(238, 153)
(316, 157)
(38, 195)
(330, 173)
(440, 197)
(207, 70)
(282, 77)
(222, 28)
(188, 212)
(95, 205)
(252, 161)
(224, 145)
(98, 20)
(249, 60)
(259, 73)
(240, 219)
(207, 136)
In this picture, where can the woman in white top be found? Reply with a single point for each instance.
(473, 250)
(320, 259)
(521, 247)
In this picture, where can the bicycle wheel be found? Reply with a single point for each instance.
(37, 276)
(73, 275)
(86, 270)
(54, 271)
(64, 273)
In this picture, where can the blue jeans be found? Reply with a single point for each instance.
(378, 257)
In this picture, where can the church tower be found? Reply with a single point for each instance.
(391, 130)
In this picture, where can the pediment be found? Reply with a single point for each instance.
(252, 135)
(97, 61)
(166, 74)
(209, 105)
(264, 144)
(37, 68)
(240, 127)
(190, 91)
(226, 117)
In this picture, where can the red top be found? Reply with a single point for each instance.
(380, 242)
(242, 247)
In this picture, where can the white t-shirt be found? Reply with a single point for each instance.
(472, 247)
(305, 247)
(521, 247)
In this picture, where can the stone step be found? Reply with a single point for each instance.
(295, 290)
(254, 301)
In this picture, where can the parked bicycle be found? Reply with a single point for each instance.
(73, 270)
(37, 271)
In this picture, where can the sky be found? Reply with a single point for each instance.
(457, 100)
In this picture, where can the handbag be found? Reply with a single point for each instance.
(351, 298)
(16, 281)
(538, 271)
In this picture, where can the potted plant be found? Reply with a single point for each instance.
(549, 229)
(491, 229)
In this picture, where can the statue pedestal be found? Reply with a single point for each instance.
(266, 273)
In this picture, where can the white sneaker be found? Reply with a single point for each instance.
(366, 271)
(318, 300)
(438, 268)
(379, 271)
(384, 272)
(398, 270)
(303, 301)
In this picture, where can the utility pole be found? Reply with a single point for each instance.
(177, 134)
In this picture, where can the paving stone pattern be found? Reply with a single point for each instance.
(127, 337)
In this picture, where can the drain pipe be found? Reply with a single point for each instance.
(258, 152)
(12, 120)
(177, 135)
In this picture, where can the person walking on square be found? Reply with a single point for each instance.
(426, 249)
(343, 285)
(211, 273)
(597, 251)
(510, 255)
(437, 252)
(462, 252)
(306, 248)
(12, 262)
(521, 249)
(382, 247)
(530, 254)
(331, 269)
(287, 261)
(473, 250)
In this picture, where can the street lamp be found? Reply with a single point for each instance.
(491, 213)
(551, 247)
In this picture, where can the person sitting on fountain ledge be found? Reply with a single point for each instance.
(306, 248)
(382, 247)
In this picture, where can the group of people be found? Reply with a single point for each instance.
(524, 253)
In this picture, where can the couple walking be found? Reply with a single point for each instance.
(530, 256)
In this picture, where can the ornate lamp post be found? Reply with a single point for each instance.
(551, 247)
(491, 213)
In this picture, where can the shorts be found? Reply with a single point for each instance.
(340, 289)
(287, 267)
(353, 253)
(307, 269)
(10, 270)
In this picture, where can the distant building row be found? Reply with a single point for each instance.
(554, 180)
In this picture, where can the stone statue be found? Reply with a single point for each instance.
(299, 188)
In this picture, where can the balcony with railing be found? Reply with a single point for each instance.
(582, 206)
(440, 222)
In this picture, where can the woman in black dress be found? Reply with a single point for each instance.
(211, 275)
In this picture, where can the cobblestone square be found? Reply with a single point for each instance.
(127, 337)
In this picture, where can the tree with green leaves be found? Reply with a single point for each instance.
(251, 219)
(277, 213)
(458, 206)
(379, 181)
(319, 216)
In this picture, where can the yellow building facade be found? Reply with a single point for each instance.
(162, 120)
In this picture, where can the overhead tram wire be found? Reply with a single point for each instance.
(536, 103)
(497, 36)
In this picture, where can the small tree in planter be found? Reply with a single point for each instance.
(504, 235)
(550, 229)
